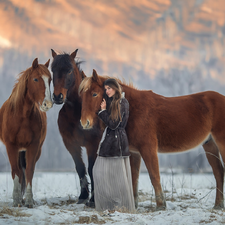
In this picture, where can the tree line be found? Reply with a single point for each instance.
(174, 82)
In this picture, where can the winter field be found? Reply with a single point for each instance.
(190, 199)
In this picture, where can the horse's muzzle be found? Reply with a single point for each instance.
(46, 105)
(86, 126)
(58, 99)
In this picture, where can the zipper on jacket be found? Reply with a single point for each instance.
(119, 144)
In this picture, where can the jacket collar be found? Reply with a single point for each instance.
(122, 96)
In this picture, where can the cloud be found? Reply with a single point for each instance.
(4, 43)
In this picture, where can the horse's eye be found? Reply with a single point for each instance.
(95, 94)
(35, 79)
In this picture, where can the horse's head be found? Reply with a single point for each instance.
(63, 69)
(38, 85)
(91, 92)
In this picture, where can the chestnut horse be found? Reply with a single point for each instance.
(166, 125)
(67, 77)
(23, 127)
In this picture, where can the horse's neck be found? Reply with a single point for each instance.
(21, 105)
(129, 92)
(73, 97)
(72, 94)
(135, 96)
(143, 100)
(28, 106)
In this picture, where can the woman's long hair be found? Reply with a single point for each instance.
(114, 107)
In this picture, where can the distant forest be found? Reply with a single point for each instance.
(174, 82)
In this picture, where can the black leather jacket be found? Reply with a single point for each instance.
(115, 143)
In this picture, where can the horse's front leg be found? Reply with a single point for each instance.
(150, 157)
(91, 152)
(135, 163)
(31, 157)
(17, 175)
(75, 151)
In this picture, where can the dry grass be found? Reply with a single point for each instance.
(142, 196)
(187, 196)
(12, 212)
(90, 219)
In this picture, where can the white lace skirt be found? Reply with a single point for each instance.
(113, 184)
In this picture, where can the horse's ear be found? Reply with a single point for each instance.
(83, 74)
(35, 63)
(73, 54)
(47, 63)
(95, 77)
(53, 53)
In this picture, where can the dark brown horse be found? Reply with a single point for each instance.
(161, 124)
(67, 77)
(23, 127)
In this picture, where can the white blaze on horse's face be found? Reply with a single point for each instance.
(47, 103)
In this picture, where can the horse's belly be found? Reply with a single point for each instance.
(182, 145)
(133, 149)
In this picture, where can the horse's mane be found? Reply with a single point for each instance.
(17, 96)
(62, 61)
(87, 81)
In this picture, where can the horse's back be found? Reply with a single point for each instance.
(187, 121)
(176, 123)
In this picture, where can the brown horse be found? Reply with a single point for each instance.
(166, 125)
(23, 127)
(67, 77)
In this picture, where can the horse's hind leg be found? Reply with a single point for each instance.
(212, 154)
(135, 163)
(17, 175)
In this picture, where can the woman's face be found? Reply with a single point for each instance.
(109, 91)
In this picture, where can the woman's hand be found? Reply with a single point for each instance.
(103, 104)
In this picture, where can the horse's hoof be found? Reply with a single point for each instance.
(17, 205)
(218, 207)
(29, 206)
(90, 204)
(136, 204)
(160, 208)
(82, 201)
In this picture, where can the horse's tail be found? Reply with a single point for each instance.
(22, 162)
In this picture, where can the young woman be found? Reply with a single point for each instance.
(111, 171)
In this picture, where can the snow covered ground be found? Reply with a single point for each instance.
(190, 199)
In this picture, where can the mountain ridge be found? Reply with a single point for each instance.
(149, 35)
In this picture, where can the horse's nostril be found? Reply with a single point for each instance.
(88, 123)
(61, 96)
(45, 104)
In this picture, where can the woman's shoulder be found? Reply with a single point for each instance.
(124, 101)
